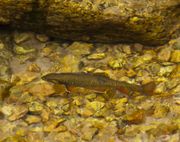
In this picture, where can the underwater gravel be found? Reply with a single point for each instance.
(36, 110)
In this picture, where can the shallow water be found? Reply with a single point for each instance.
(33, 109)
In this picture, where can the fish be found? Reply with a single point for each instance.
(91, 80)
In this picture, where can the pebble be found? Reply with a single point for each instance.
(80, 48)
(160, 88)
(42, 37)
(176, 72)
(175, 57)
(131, 73)
(20, 37)
(52, 124)
(176, 89)
(18, 112)
(176, 98)
(41, 90)
(2, 46)
(164, 54)
(155, 68)
(85, 112)
(31, 119)
(116, 64)
(126, 49)
(88, 132)
(4, 90)
(142, 60)
(96, 56)
(160, 111)
(166, 71)
(138, 47)
(35, 107)
(46, 51)
(135, 117)
(20, 50)
(95, 105)
(119, 106)
(176, 44)
(34, 68)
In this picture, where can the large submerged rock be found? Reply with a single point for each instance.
(148, 22)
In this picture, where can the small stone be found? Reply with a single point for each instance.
(34, 68)
(172, 83)
(4, 90)
(69, 63)
(176, 72)
(176, 89)
(91, 96)
(116, 64)
(95, 105)
(166, 71)
(92, 108)
(78, 100)
(120, 106)
(160, 111)
(2, 46)
(35, 107)
(4, 72)
(80, 48)
(21, 37)
(23, 50)
(135, 117)
(88, 132)
(60, 128)
(176, 99)
(164, 54)
(45, 115)
(142, 60)
(89, 69)
(160, 88)
(41, 90)
(155, 68)
(24, 58)
(138, 47)
(7, 109)
(42, 38)
(126, 49)
(131, 73)
(96, 56)
(31, 119)
(18, 112)
(175, 57)
(64, 137)
(164, 129)
(65, 107)
(85, 112)
(47, 51)
(176, 44)
(52, 124)
(143, 76)
(1, 115)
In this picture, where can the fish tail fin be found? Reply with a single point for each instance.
(124, 90)
(129, 88)
(148, 89)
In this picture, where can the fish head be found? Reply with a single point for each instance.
(50, 78)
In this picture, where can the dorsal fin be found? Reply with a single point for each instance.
(101, 74)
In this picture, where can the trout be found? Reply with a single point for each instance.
(90, 80)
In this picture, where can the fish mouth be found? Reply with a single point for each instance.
(44, 78)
